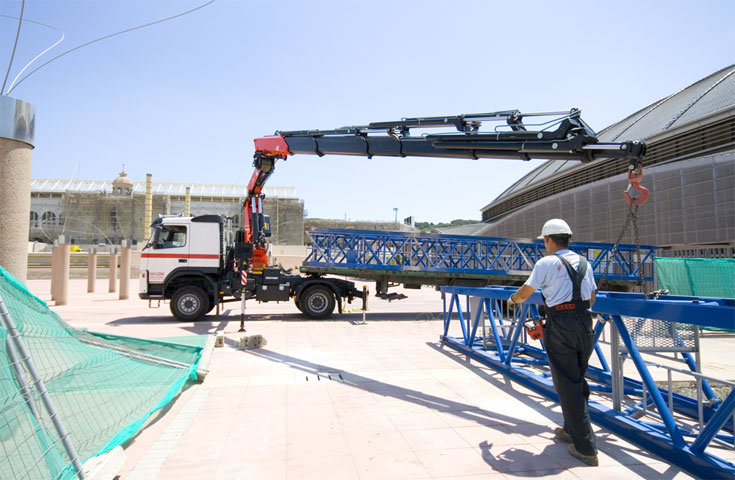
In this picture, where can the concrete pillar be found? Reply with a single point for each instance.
(187, 202)
(61, 290)
(113, 270)
(54, 270)
(17, 126)
(91, 270)
(125, 270)
(148, 206)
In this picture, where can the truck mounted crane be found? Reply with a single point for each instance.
(190, 262)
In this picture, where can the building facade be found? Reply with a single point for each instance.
(98, 212)
(689, 168)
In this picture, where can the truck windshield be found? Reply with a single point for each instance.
(154, 237)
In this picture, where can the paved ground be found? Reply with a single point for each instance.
(340, 400)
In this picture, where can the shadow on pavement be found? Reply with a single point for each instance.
(606, 441)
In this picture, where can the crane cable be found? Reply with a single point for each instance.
(632, 216)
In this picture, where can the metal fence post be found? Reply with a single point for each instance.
(19, 345)
(617, 377)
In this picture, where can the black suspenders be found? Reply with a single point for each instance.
(576, 276)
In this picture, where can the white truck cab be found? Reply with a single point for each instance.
(183, 252)
(188, 261)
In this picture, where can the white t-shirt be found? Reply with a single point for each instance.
(550, 276)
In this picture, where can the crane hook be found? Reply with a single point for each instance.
(636, 193)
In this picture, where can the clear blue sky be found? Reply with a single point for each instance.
(183, 100)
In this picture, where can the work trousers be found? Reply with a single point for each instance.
(569, 342)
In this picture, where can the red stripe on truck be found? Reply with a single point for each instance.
(195, 256)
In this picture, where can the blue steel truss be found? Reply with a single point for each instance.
(458, 254)
(506, 348)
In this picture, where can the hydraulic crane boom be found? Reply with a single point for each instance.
(565, 137)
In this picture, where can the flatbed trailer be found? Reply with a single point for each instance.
(416, 259)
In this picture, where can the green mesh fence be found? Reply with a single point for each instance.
(697, 277)
(102, 387)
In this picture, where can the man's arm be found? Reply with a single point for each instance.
(522, 294)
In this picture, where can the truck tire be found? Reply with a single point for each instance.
(317, 302)
(189, 304)
(298, 305)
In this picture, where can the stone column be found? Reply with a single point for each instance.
(125, 270)
(113, 270)
(17, 125)
(148, 207)
(187, 202)
(91, 269)
(61, 291)
(54, 269)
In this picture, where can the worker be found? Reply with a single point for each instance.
(568, 288)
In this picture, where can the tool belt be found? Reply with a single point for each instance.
(570, 306)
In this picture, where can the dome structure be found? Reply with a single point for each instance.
(122, 185)
(689, 167)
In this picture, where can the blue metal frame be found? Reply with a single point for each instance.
(666, 440)
(458, 254)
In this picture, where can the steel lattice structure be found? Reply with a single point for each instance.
(675, 435)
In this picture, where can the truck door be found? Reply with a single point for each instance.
(169, 252)
(205, 244)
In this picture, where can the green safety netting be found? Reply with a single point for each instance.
(697, 277)
(102, 387)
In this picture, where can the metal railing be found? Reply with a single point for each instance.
(459, 254)
(504, 345)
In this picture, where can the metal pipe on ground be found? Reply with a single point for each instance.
(15, 340)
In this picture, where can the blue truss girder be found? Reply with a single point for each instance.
(459, 254)
(668, 440)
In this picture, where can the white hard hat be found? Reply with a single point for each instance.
(555, 226)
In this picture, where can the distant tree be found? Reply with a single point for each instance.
(426, 226)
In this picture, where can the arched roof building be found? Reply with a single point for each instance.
(689, 168)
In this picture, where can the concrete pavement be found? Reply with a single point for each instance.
(336, 399)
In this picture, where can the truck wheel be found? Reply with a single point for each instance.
(189, 304)
(298, 305)
(317, 302)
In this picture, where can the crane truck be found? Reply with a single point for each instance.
(191, 262)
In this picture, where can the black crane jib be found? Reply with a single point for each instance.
(567, 138)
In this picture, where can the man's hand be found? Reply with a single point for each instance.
(512, 304)
(519, 296)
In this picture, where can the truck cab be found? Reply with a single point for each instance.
(183, 262)
(191, 262)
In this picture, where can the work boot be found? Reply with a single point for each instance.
(562, 435)
(590, 460)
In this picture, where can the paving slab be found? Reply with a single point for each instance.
(337, 399)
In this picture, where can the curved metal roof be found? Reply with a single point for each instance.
(707, 97)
